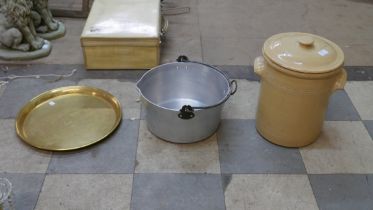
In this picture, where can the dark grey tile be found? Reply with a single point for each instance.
(340, 108)
(116, 154)
(40, 69)
(177, 191)
(243, 150)
(339, 192)
(359, 73)
(66, 69)
(20, 91)
(240, 72)
(369, 125)
(26, 188)
(355, 73)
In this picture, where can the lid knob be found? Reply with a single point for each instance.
(306, 41)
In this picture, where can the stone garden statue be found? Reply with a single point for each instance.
(24, 27)
(46, 26)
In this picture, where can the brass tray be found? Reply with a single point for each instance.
(68, 118)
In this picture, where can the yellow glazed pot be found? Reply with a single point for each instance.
(298, 73)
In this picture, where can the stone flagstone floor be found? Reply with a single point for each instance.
(234, 169)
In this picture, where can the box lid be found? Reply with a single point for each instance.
(123, 19)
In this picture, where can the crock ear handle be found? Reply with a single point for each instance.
(341, 80)
(259, 65)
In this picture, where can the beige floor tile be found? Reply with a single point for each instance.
(361, 94)
(125, 92)
(158, 156)
(242, 105)
(83, 191)
(343, 147)
(16, 156)
(269, 192)
(65, 50)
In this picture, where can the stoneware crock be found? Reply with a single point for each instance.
(298, 72)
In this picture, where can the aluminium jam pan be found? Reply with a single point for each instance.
(68, 118)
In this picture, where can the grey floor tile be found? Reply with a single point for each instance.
(26, 188)
(343, 147)
(369, 126)
(243, 104)
(269, 191)
(158, 156)
(359, 73)
(20, 91)
(343, 192)
(243, 150)
(177, 191)
(114, 155)
(124, 91)
(239, 72)
(341, 108)
(361, 96)
(86, 192)
(16, 156)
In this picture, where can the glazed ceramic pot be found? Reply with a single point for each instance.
(298, 72)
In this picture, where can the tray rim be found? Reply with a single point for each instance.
(35, 101)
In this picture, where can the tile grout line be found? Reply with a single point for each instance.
(366, 127)
(221, 174)
(355, 73)
(42, 184)
(304, 164)
(353, 105)
(41, 188)
(313, 193)
(134, 165)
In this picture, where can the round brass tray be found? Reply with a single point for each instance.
(68, 118)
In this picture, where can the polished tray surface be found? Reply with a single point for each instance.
(68, 118)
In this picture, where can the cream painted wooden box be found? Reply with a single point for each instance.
(122, 34)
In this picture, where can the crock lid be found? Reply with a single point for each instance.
(302, 52)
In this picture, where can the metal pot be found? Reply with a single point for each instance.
(183, 100)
